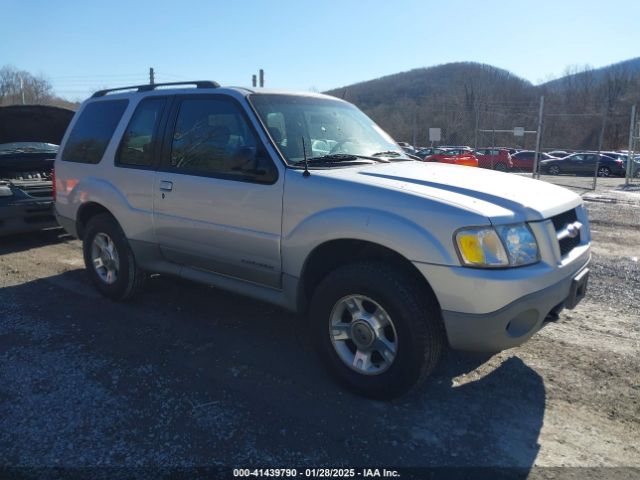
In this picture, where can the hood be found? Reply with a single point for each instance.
(33, 123)
(501, 197)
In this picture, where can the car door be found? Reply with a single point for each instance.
(589, 166)
(573, 163)
(218, 194)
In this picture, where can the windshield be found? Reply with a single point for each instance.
(328, 127)
(27, 147)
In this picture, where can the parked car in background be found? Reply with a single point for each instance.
(407, 147)
(458, 147)
(424, 152)
(26, 199)
(585, 164)
(28, 145)
(494, 158)
(523, 160)
(635, 167)
(455, 156)
(559, 153)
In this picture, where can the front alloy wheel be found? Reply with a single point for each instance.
(377, 328)
(363, 335)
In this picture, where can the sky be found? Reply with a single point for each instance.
(84, 45)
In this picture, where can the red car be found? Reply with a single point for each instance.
(523, 161)
(494, 158)
(455, 156)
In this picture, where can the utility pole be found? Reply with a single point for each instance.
(261, 73)
(475, 138)
(415, 125)
(630, 154)
(600, 140)
(254, 80)
(535, 173)
(152, 77)
(22, 89)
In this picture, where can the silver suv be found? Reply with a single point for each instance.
(302, 201)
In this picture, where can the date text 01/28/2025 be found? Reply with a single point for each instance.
(316, 472)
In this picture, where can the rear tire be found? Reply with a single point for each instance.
(387, 340)
(109, 259)
(604, 172)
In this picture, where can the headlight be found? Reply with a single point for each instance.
(520, 243)
(503, 246)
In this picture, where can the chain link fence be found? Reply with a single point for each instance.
(573, 148)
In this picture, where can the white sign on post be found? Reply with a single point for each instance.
(518, 131)
(435, 134)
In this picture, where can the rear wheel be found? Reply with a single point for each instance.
(109, 259)
(501, 167)
(379, 334)
(604, 171)
(554, 170)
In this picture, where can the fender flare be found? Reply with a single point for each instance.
(371, 225)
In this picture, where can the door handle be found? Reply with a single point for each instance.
(166, 185)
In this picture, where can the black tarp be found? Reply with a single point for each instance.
(33, 123)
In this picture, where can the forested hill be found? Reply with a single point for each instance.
(457, 97)
(466, 79)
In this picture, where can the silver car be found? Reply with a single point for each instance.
(303, 201)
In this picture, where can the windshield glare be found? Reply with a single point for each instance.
(328, 127)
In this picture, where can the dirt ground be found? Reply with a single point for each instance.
(187, 375)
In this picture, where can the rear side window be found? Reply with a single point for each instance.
(93, 130)
(136, 148)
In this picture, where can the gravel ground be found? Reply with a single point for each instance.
(187, 375)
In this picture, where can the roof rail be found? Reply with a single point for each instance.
(148, 87)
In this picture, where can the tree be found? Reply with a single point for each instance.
(19, 86)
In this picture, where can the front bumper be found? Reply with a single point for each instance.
(26, 216)
(492, 310)
(513, 324)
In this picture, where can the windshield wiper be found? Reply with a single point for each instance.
(387, 153)
(341, 157)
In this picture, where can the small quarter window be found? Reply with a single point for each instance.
(93, 131)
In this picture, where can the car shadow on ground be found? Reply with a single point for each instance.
(26, 241)
(187, 375)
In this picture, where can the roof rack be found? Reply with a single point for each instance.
(148, 87)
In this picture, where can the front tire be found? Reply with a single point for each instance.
(109, 259)
(379, 333)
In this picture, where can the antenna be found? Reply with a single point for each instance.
(306, 172)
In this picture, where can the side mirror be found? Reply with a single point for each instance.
(256, 163)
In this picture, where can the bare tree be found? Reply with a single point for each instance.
(19, 86)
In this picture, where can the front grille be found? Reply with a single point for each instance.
(559, 223)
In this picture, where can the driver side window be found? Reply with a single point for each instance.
(213, 138)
